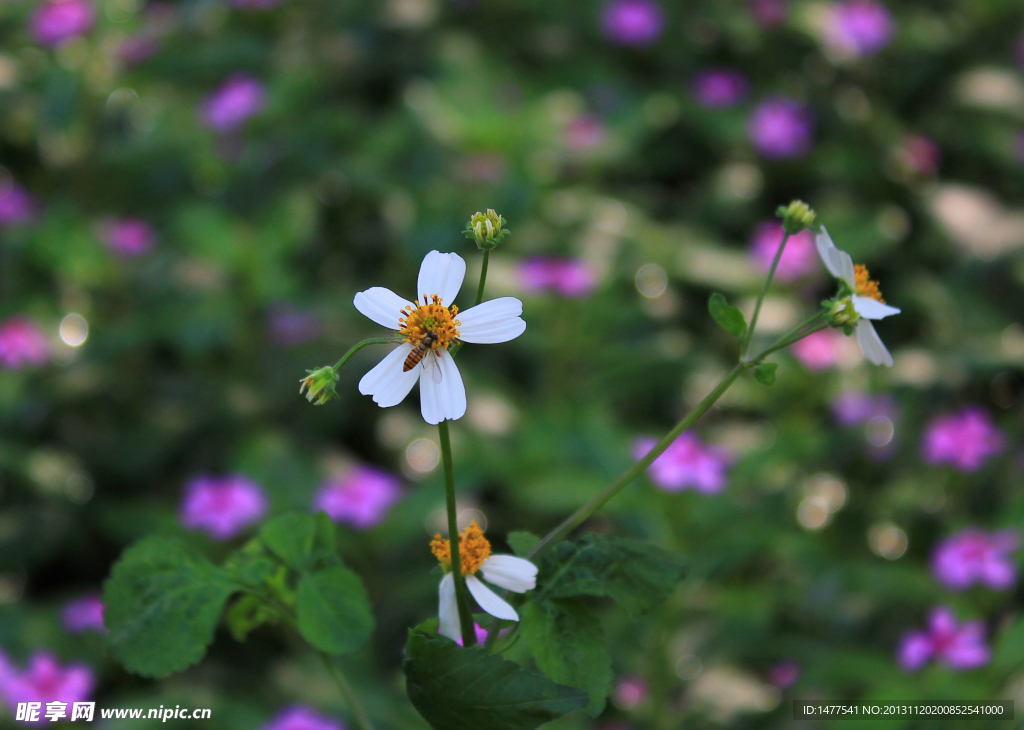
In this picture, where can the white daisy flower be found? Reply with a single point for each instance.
(428, 327)
(864, 299)
(505, 571)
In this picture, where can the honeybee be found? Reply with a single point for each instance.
(423, 352)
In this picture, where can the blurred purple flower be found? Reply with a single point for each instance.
(481, 634)
(128, 236)
(852, 408)
(859, 27)
(1018, 146)
(768, 13)
(964, 440)
(22, 344)
(360, 498)
(55, 22)
(137, 48)
(83, 614)
(302, 717)
(44, 680)
(955, 647)
(240, 97)
(222, 507)
(571, 278)
(632, 22)
(784, 674)
(780, 128)
(973, 556)
(799, 258)
(818, 351)
(290, 327)
(687, 462)
(630, 691)
(919, 154)
(584, 132)
(718, 88)
(16, 205)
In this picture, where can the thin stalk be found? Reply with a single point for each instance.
(762, 295)
(361, 718)
(461, 594)
(797, 333)
(784, 342)
(483, 276)
(360, 345)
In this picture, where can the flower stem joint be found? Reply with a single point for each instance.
(319, 385)
(487, 229)
(796, 216)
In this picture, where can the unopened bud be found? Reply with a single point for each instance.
(796, 216)
(319, 385)
(487, 229)
(841, 313)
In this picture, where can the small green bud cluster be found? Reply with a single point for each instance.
(796, 216)
(841, 313)
(487, 229)
(319, 385)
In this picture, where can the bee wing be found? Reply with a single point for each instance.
(431, 365)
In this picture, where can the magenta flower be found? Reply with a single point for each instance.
(799, 258)
(973, 556)
(584, 132)
(860, 27)
(920, 154)
(852, 408)
(83, 614)
(44, 680)
(780, 128)
(632, 22)
(768, 13)
(137, 48)
(16, 205)
(240, 97)
(481, 634)
(784, 674)
(128, 236)
(964, 440)
(686, 463)
(56, 22)
(360, 498)
(571, 278)
(630, 691)
(719, 88)
(222, 507)
(818, 351)
(955, 647)
(22, 344)
(302, 717)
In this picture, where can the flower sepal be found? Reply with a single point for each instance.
(487, 229)
(796, 216)
(319, 385)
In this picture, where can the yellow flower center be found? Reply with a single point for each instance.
(430, 317)
(865, 286)
(474, 549)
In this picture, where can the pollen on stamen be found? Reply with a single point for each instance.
(432, 316)
(474, 549)
(866, 287)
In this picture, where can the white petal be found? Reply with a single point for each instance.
(838, 263)
(448, 609)
(441, 274)
(871, 344)
(494, 321)
(510, 572)
(489, 600)
(386, 382)
(444, 401)
(381, 305)
(872, 308)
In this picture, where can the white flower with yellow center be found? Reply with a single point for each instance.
(505, 571)
(429, 326)
(862, 303)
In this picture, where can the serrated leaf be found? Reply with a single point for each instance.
(566, 640)
(291, 538)
(163, 603)
(637, 575)
(765, 373)
(251, 565)
(333, 611)
(727, 316)
(456, 688)
(522, 542)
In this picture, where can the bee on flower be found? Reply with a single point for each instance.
(859, 301)
(505, 571)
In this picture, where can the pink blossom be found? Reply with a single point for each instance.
(222, 507)
(240, 97)
(687, 462)
(17, 207)
(481, 634)
(83, 614)
(768, 13)
(630, 691)
(718, 88)
(781, 128)
(954, 646)
(584, 132)
(860, 27)
(852, 408)
(571, 278)
(22, 344)
(799, 258)
(128, 236)
(56, 22)
(818, 351)
(137, 48)
(973, 556)
(632, 22)
(302, 717)
(919, 154)
(964, 440)
(784, 674)
(44, 680)
(360, 498)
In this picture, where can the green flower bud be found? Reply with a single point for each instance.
(487, 229)
(319, 385)
(842, 314)
(796, 216)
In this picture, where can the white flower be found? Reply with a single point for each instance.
(428, 327)
(505, 571)
(864, 297)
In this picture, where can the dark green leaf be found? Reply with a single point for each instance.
(471, 689)
(333, 610)
(566, 639)
(765, 373)
(251, 565)
(246, 614)
(1009, 650)
(637, 575)
(522, 542)
(163, 603)
(728, 317)
(291, 537)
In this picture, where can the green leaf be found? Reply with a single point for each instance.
(333, 611)
(728, 317)
(635, 574)
(566, 639)
(522, 542)
(251, 565)
(1009, 652)
(471, 689)
(765, 373)
(163, 603)
(291, 537)
(246, 614)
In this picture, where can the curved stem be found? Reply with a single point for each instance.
(461, 594)
(762, 295)
(361, 718)
(483, 277)
(360, 345)
(795, 334)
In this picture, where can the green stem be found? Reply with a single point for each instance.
(361, 718)
(793, 335)
(762, 295)
(461, 594)
(360, 345)
(483, 276)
